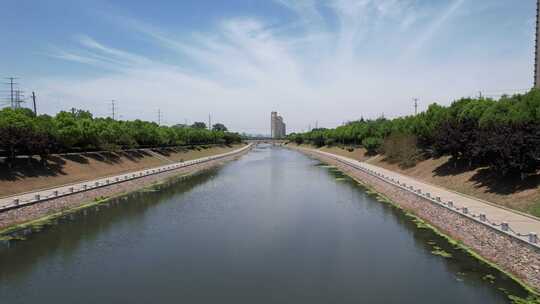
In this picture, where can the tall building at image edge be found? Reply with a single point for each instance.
(277, 126)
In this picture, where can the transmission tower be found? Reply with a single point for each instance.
(113, 109)
(11, 84)
(17, 99)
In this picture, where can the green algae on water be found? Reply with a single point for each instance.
(456, 244)
(489, 277)
(11, 233)
(420, 224)
(442, 253)
(528, 300)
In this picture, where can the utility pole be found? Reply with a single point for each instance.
(480, 92)
(209, 122)
(112, 108)
(316, 124)
(159, 117)
(34, 101)
(416, 104)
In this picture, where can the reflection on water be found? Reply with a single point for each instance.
(272, 227)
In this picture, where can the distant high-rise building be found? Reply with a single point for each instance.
(277, 126)
(537, 48)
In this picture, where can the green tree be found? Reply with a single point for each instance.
(68, 130)
(372, 144)
(198, 125)
(219, 127)
(17, 127)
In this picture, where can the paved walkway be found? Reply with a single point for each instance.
(520, 223)
(33, 197)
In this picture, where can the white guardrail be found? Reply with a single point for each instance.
(530, 238)
(17, 202)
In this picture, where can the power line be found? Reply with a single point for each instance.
(500, 93)
(509, 90)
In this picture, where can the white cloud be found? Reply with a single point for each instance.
(244, 68)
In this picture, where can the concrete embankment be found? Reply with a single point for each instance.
(84, 193)
(515, 253)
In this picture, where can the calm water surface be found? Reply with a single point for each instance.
(272, 227)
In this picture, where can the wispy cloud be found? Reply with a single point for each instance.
(122, 57)
(343, 64)
(434, 26)
(91, 52)
(69, 56)
(307, 11)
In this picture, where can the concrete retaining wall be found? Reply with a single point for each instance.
(512, 255)
(40, 209)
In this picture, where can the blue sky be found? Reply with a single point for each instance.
(328, 61)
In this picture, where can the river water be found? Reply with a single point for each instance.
(272, 227)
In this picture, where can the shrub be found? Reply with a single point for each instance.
(372, 144)
(402, 149)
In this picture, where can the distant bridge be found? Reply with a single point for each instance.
(266, 141)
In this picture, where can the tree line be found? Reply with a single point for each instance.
(502, 134)
(23, 133)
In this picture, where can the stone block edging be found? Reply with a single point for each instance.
(18, 202)
(31, 212)
(530, 238)
(498, 245)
